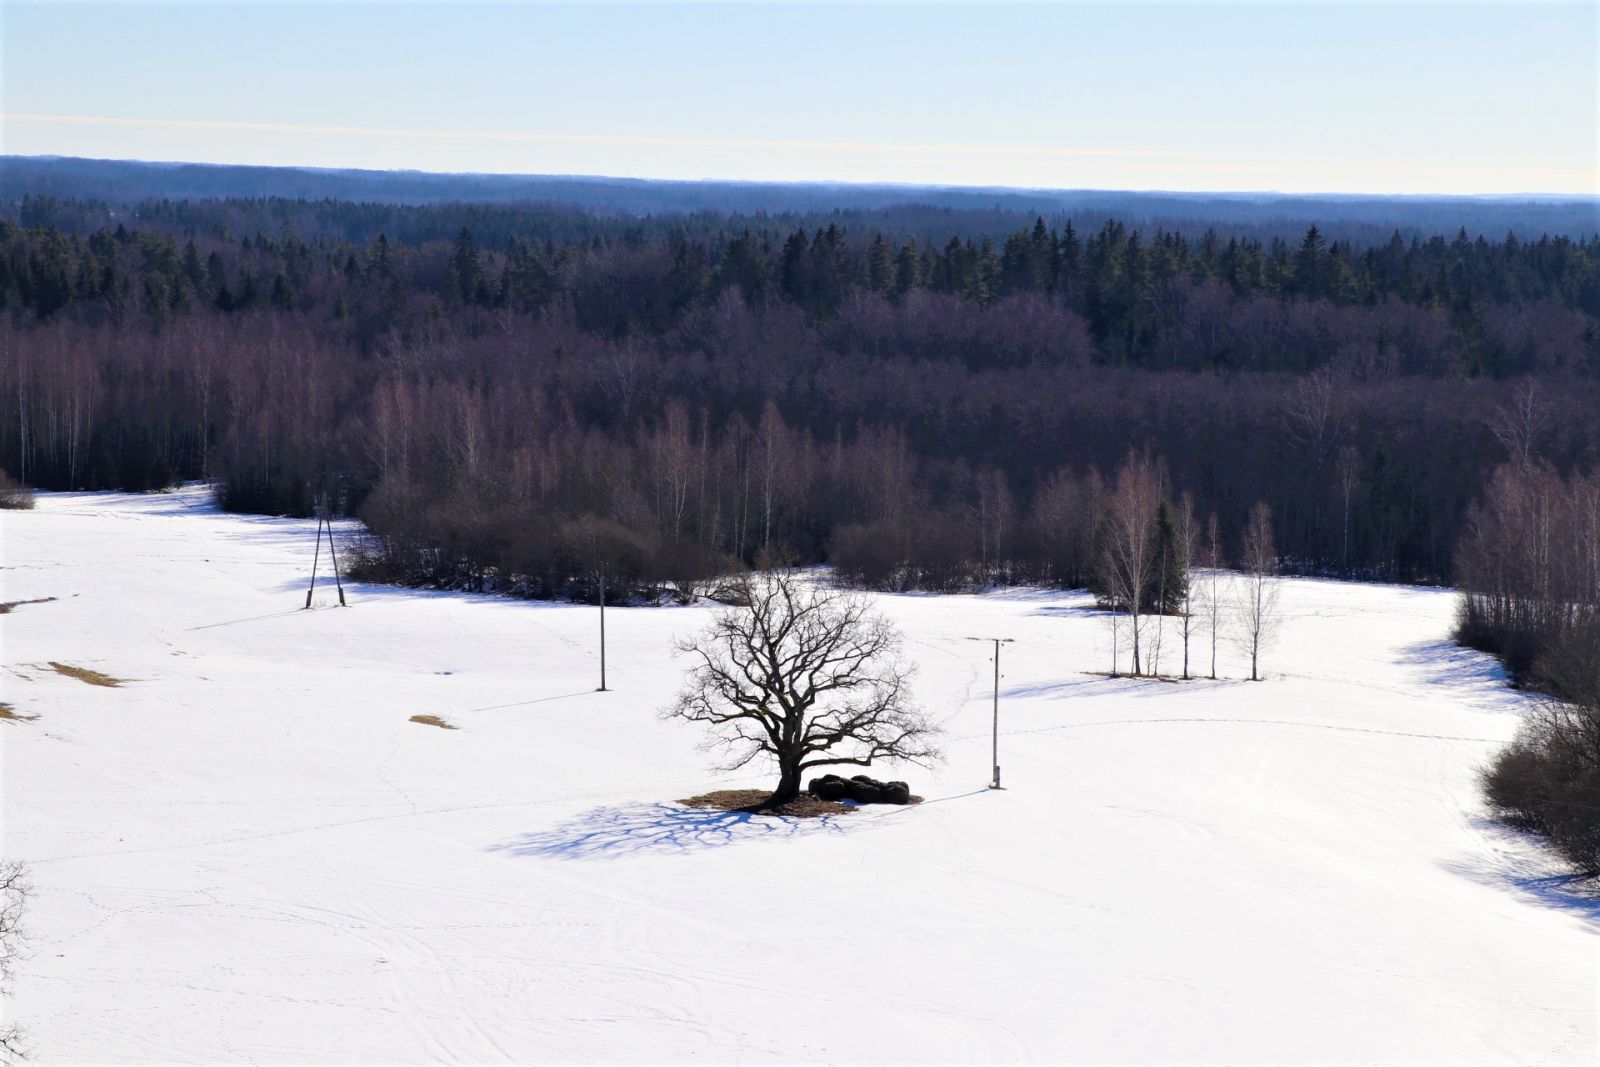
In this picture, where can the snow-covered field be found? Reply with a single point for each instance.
(247, 853)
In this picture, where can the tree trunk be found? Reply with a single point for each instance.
(788, 784)
(1215, 621)
(1133, 618)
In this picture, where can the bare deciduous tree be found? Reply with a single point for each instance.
(1128, 553)
(1349, 478)
(806, 675)
(14, 893)
(1519, 422)
(1314, 414)
(1211, 589)
(1258, 604)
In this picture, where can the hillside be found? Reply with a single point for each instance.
(245, 851)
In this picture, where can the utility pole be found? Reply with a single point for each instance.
(602, 688)
(316, 555)
(332, 555)
(998, 641)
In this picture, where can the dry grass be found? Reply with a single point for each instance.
(85, 675)
(755, 801)
(432, 720)
(7, 606)
(7, 712)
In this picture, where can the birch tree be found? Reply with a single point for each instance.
(1211, 588)
(1258, 604)
(1128, 552)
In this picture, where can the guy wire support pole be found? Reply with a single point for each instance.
(334, 558)
(998, 641)
(316, 557)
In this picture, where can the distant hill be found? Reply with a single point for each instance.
(1362, 218)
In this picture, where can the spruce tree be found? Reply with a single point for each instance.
(1169, 579)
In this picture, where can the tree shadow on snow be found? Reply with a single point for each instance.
(1096, 684)
(659, 828)
(1470, 675)
(1068, 610)
(1531, 873)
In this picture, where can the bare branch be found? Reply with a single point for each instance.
(805, 675)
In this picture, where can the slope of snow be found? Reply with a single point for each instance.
(247, 853)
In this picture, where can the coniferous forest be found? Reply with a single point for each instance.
(511, 394)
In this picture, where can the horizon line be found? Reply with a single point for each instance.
(956, 187)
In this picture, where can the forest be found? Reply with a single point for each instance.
(123, 185)
(512, 395)
(550, 398)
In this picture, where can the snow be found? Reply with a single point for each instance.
(247, 853)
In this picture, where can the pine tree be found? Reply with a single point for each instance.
(880, 265)
(907, 268)
(468, 271)
(1310, 266)
(193, 269)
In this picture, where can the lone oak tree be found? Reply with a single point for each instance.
(805, 674)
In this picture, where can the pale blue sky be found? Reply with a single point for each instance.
(1290, 96)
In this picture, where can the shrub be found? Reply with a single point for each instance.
(870, 556)
(14, 496)
(1548, 780)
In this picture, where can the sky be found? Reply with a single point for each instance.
(1290, 96)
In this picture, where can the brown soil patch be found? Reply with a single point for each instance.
(432, 720)
(84, 674)
(6, 607)
(755, 801)
(6, 712)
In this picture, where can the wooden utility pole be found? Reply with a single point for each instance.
(316, 555)
(602, 629)
(334, 557)
(998, 641)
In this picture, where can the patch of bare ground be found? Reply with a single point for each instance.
(85, 675)
(432, 720)
(7, 606)
(8, 713)
(755, 801)
(1170, 678)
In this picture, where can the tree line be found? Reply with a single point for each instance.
(1530, 571)
(670, 403)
